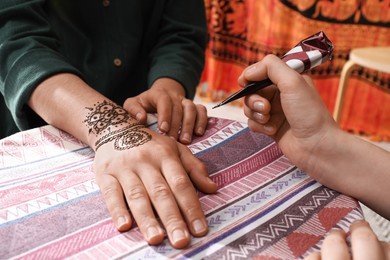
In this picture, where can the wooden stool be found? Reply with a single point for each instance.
(377, 58)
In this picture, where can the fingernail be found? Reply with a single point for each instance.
(336, 230)
(120, 222)
(210, 181)
(138, 116)
(200, 131)
(258, 116)
(186, 137)
(269, 128)
(152, 232)
(177, 236)
(358, 223)
(258, 106)
(250, 70)
(164, 127)
(198, 225)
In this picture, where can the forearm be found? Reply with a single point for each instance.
(65, 101)
(357, 168)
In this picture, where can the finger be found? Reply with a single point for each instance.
(139, 204)
(254, 72)
(314, 256)
(201, 120)
(267, 128)
(365, 244)
(165, 205)
(136, 109)
(113, 197)
(188, 124)
(164, 113)
(186, 197)
(256, 116)
(196, 170)
(273, 123)
(334, 246)
(262, 69)
(259, 103)
(176, 118)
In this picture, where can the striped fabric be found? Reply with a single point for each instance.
(265, 208)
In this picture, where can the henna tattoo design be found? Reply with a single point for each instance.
(105, 114)
(125, 138)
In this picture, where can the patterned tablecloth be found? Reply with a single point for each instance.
(266, 208)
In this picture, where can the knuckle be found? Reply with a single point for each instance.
(128, 102)
(186, 124)
(201, 167)
(192, 212)
(201, 108)
(187, 102)
(181, 182)
(109, 190)
(160, 192)
(177, 107)
(135, 193)
(174, 222)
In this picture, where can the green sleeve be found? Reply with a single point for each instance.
(28, 55)
(179, 52)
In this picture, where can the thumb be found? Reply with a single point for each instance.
(196, 170)
(135, 109)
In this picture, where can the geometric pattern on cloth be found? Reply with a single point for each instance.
(265, 207)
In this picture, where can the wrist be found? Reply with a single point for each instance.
(326, 152)
(125, 137)
(106, 122)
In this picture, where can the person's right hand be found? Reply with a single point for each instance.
(291, 110)
(147, 171)
(364, 243)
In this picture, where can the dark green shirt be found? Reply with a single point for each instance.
(119, 47)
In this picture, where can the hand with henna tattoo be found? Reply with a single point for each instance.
(145, 170)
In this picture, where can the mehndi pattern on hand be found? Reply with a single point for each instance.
(104, 116)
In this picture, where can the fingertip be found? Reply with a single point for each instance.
(200, 131)
(337, 232)
(357, 224)
(201, 179)
(179, 238)
(123, 223)
(164, 127)
(199, 227)
(206, 185)
(212, 187)
(251, 71)
(185, 138)
(141, 117)
(154, 235)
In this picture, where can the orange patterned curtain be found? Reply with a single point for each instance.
(242, 32)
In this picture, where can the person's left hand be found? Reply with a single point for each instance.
(175, 113)
(364, 243)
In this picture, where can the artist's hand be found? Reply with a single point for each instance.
(175, 112)
(364, 243)
(291, 111)
(147, 170)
